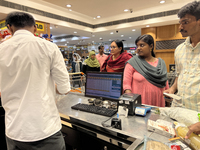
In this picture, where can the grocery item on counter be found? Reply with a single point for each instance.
(176, 144)
(193, 141)
(154, 145)
(182, 115)
(161, 128)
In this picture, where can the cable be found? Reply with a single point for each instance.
(105, 125)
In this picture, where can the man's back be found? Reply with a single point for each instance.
(28, 68)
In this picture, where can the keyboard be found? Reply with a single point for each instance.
(95, 109)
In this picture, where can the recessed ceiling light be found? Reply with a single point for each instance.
(93, 35)
(109, 39)
(67, 42)
(69, 5)
(122, 35)
(125, 10)
(162, 2)
(129, 37)
(75, 32)
(94, 18)
(51, 28)
(92, 41)
(147, 25)
(70, 10)
(98, 16)
(133, 30)
(100, 38)
(111, 32)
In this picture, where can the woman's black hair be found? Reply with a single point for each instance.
(147, 39)
(119, 44)
(192, 8)
(20, 20)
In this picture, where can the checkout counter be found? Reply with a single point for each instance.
(84, 131)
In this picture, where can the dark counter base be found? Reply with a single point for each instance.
(82, 141)
(2, 129)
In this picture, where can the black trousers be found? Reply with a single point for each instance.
(54, 142)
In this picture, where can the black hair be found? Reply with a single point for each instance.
(20, 20)
(192, 8)
(147, 39)
(119, 44)
(100, 47)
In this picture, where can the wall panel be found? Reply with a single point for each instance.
(164, 33)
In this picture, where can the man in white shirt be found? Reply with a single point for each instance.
(29, 68)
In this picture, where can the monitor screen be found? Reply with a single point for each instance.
(105, 85)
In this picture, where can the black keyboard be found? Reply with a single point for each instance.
(95, 109)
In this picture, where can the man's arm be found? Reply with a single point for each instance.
(59, 72)
(193, 128)
(173, 88)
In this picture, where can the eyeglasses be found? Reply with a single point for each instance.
(113, 47)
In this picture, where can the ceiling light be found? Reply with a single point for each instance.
(129, 37)
(69, 5)
(162, 2)
(51, 28)
(133, 30)
(100, 38)
(92, 41)
(67, 42)
(147, 25)
(109, 39)
(93, 35)
(98, 16)
(94, 18)
(111, 32)
(78, 43)
(75, 32)
(122, 35)
(70, 10)
(125, 10)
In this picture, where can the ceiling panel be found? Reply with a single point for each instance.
(106, 8)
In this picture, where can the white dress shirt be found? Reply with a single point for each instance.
(28, 68)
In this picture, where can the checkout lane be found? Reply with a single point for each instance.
(133, 127)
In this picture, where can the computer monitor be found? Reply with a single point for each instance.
(104, 85)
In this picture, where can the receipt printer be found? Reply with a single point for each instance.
(130, 101)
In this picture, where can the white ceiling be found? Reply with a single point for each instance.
(106, 8)
(109, 10)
